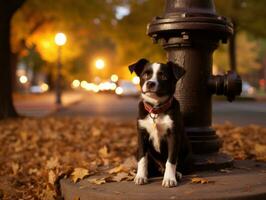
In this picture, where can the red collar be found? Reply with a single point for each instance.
(158, 109)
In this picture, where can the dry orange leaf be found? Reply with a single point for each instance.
(79, 174)
(95, 131)
(15, 168)
(51, 177)
(103, 152)
(52, 163)
(116, 170)
(201, 180)
(130, 163)
(98, 181)
(120, 177)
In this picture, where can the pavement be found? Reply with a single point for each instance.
(110, 106)
(245, 181)
(41, 105)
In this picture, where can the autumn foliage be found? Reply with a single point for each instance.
(35, 153)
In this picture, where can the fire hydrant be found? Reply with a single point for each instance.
(190, 31)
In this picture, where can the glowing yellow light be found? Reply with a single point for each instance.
(95, 88)
(102, 86)
(114, 78)
(113, 86)
(99, 64)
(119, 91)
(136, 80)
(75, 84)
(60, 39)
(44, 87)
(84, 84)
(23, 79)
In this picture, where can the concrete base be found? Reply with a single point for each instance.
(246, 181)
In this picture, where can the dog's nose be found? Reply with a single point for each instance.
(150, 84)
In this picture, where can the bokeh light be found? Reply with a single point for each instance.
(119, 91)
(23, 79)
(114, 78)
(60, 39)
(136, 80)
(100, 64)
(75, 84)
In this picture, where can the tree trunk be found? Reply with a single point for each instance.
(14, 61)
(7, 10)
(232, 49)
(6, 101)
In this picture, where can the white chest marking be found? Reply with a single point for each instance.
(157, 130)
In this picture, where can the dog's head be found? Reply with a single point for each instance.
(157, 80)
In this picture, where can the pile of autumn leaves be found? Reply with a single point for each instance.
(36, 153)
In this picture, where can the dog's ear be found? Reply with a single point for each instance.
(177, 70)
(138, 66)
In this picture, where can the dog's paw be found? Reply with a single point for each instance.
(169, 182)
(139, 180)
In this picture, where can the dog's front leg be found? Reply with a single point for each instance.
(142, 171)
(169, 179)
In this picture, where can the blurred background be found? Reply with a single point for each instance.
(87, 45)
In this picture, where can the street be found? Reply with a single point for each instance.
(112, 107)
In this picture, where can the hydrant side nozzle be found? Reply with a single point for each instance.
(229, 85)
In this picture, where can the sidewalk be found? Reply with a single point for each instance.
(40, 105)
(245, 181)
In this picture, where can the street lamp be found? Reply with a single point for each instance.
(100, 64)
(60, 40)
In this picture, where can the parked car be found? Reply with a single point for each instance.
(247, 89)
(127, 88)
(38, 89)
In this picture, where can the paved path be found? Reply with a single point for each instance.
(240, 113)
(113, 107)
(40, 105)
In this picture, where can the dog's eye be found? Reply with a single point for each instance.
(163, 77)
(145, 75)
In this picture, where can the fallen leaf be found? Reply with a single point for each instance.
(15, 168)
(120, 177)
(51, 177)
(95, 131)
(260, 149)
(49, 194)
(52, 163)
(79, 174)
(98, 181)
(103, 152)
(130, 163)
(33, 171)
(24, 136)
(116, 170)
(201, 180)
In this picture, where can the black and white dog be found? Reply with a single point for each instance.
(162, 143)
